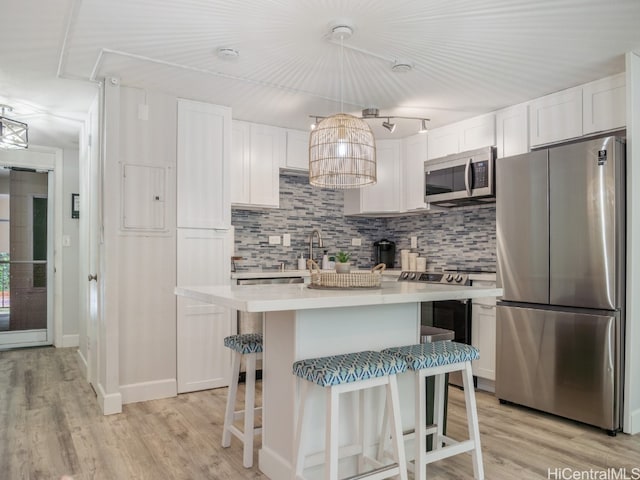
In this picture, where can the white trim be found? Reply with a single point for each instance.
(82, 363)
(70, 341)
(634, 422)
(24, 338)
(156, 389)
(55, 202)
(109, 404)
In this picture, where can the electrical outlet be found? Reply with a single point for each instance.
(414, 242)
(356, 242)
(286, 240)
(274, 239)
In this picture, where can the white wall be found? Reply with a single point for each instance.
(632, 344)
(139, 267)
(70, 254)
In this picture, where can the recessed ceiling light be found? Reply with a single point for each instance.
(228, 53)
(401, 66)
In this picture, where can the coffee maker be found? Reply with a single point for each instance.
(385, 252)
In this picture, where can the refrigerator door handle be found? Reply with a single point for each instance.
(467, 179)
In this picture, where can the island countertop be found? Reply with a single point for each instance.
(271, 298)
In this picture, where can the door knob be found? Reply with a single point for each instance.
(93, 277)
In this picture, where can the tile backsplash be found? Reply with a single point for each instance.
(464, 237)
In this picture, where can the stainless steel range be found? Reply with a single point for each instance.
(447, 315)
(453, 278)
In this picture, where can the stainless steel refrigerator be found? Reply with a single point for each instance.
(561, 262)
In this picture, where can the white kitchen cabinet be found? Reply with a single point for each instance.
(476, 132)
(257, 153)
(414, 154)
(512, 130)
(203, 258)
(297, 158)
(483, 333)
(203, 165)
(604, 106)
(384, 196)
(556, 117)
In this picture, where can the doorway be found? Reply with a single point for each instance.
(25, 271)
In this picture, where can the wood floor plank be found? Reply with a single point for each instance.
(50, 425)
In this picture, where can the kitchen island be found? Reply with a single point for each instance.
(301, 322)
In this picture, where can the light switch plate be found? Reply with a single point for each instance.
(286, 240)
(414, 242)
(356, 242)
(274, 239)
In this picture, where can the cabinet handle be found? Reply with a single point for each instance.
(93, 277)
(487, 307)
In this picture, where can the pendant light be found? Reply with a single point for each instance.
(342, 150)
(13, 134)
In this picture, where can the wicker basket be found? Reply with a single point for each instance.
(345, 280)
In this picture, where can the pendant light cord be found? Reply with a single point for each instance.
(341, 73)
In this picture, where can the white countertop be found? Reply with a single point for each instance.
(269, 298)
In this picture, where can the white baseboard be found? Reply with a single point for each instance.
(141, 392)
(272, 464)
(633, 426)
(111, 403)
(71, 340)
(83, 364)
(486, 385)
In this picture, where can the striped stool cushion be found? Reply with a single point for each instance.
(435, 354)
(245, 343)
(350, 367)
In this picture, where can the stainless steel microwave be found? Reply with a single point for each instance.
(465, 178)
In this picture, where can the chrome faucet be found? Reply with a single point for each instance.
(320, 244)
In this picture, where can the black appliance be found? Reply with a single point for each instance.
(385, 252)
(452, 315)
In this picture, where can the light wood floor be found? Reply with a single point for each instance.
(50, 425)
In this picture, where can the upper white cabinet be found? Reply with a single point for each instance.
(384, 196)
(203, 158)
(512, 130)
(604, 104)
(414, 154)
(297, 158)
(556, 117)
(257, 154)
(459, 137)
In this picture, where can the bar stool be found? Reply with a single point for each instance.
(437, 359)
(249, 345)
(349, 373)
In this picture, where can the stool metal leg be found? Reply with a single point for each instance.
(231, 400)
(472, 420)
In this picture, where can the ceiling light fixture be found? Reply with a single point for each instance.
(389, 126)
(342, 150)
(374, 113)
(13, 134)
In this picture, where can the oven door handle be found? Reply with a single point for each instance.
(467, 177)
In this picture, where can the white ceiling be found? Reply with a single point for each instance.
(469, 56)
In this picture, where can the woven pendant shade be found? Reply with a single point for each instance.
(342, 153)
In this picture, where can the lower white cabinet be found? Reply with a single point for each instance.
(204, 258)
(384, 196)
(483, 333)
